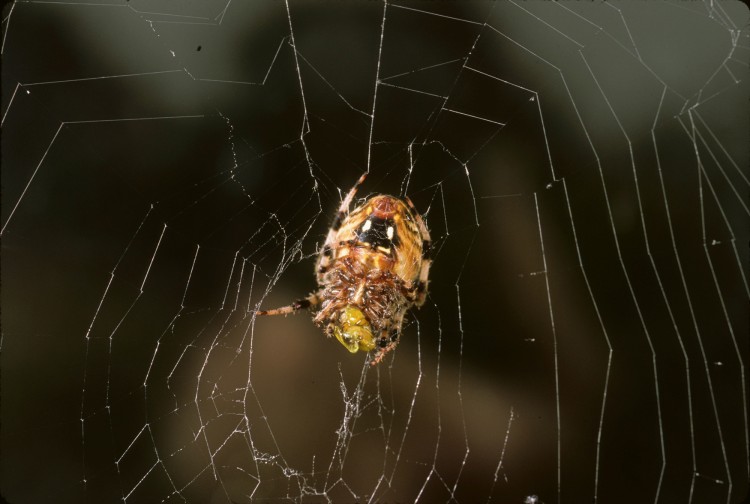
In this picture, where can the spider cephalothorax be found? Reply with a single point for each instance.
(372, 269)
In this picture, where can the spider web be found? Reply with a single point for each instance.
(171, 167)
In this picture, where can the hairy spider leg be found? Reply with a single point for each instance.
(382, 352)
(326, 256)
(424, 273)
(300, 304)
(393, 337)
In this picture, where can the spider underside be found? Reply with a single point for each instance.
(372, 269)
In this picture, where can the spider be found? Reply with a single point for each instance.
(372, 269)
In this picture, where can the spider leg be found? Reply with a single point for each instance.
(420, 288)
(382, 352)
(379, 354)
(300, 304)
(391, 338)
(344, 207)
(326, 255)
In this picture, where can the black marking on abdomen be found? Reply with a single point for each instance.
(376, 233)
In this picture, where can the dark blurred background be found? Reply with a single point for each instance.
(168, 167)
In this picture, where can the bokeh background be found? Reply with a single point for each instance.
(168, 167)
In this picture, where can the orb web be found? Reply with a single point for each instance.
(170, 168)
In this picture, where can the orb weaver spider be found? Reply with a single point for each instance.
(373, 267)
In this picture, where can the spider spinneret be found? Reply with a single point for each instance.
(373, 268)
